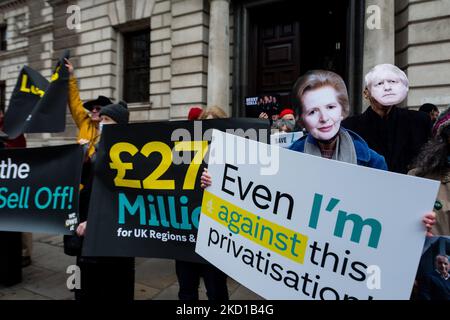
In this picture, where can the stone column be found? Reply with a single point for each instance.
(379, 35)
(219, 55)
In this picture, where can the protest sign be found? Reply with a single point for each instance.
(146, 194)
(318, 229)
(285, 139)
(37, 191)
(37, 105)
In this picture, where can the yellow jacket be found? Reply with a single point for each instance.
(87, 128)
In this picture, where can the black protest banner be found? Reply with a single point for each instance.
(146, 196)
(30, 88)
(37, 105)
(39, 189)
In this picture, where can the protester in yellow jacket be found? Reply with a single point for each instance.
(87, 115)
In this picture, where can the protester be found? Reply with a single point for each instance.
(434, 163)
(395, 133)
(431, 110)
(323, 102)
(213, 112)
(10, 242)
(286, 121)
(106, 278)
(268, 108)
(86, 115)
(287, 114)
(27, 237)
(87, 119)
(436, 284)
(189, 273)
(284, 125)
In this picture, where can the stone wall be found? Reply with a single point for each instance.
(15, 15)
(189, 56)
(423, 49)
(179, 36)
(160, 60)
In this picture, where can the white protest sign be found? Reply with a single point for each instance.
(285, 139)
(317, 229)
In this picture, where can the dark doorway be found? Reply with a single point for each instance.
(275, 60)
(284, 39)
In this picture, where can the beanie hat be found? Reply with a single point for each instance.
(100, 101)
(194, 113)
(117, 111)
(285, 112)
(441, 122)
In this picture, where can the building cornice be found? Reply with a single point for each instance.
(10, 4)
(56, 2)
(13, 53)
(43, 28)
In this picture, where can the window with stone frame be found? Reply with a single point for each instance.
(2, 95)
(136, 73)
(3, 37)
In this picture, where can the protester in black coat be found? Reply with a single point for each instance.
(398, 137)
(10, 250)
(189, 273)
(102, 278)
(436, 284)
(396, 133)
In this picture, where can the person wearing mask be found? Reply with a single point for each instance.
(323, 100)
(393, 132)
(323, 103)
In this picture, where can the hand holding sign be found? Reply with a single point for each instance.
(338, 243)
(147, 188)
(205, 179)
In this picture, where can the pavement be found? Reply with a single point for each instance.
(45, 278)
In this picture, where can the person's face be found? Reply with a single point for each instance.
(322, 113)
(104, 120)
(442, 265)
(95, 113)
(387, 88)
(288, 117)
(434, 115)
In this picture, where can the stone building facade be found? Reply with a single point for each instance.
(211, 52)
